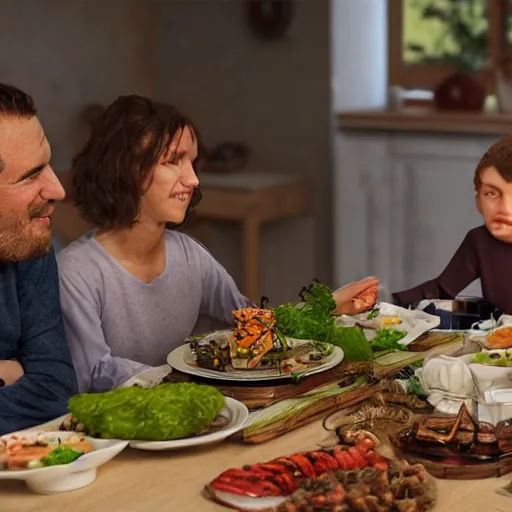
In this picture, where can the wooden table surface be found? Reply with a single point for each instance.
(137, 481)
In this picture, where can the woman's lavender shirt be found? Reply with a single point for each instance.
(118, 325)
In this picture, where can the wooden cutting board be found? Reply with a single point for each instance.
(475, 471)
(261, 394)
(313, 412)
(433, 339)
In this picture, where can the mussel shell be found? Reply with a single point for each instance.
(339, 418)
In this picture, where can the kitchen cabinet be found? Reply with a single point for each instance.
(403, 203)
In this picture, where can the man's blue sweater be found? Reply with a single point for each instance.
(31, 331)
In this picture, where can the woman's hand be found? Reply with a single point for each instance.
(356, 297)
(10, 371)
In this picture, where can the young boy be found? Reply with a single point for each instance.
(486, 251)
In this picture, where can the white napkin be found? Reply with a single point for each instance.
(448, 382)
(148, 378)
(413, 321)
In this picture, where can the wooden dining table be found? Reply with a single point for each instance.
(172, 481)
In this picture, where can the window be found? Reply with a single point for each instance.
(431, 39)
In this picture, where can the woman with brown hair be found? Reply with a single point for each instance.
(133, 290)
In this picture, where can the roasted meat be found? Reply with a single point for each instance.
(504, 434)
(453, 436)
(464, 437)
(401, 488)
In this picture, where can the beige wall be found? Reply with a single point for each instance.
(70, 53)
(274, 96)
(202, 56)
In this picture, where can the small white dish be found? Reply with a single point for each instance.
(236, 414)
(66, 477)
(493, 412)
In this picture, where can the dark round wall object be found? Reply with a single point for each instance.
(269, 19)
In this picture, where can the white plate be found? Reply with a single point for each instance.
(66, 477)
(235, 412)
(413, 321)
(182, 359)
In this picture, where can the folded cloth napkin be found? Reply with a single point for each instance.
(148, 378)
(448, 382)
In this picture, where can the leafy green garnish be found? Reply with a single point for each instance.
(494, 358)
(61, 455)
(415, 388)
(167, 411)
(373, 313)
(312, 319)
(387, 340)
(297, 377)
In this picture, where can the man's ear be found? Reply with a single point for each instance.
(477, 200)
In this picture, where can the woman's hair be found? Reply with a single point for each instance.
(115, 167)
(499, 156)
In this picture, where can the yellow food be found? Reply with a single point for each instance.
(390, 320)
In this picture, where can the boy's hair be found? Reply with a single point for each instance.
(499, 156)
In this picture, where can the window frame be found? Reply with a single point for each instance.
(428, 76)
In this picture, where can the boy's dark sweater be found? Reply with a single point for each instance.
(31, 331)
(480, 256)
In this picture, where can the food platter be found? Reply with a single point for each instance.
(232, 418)
(350, 476)
(65, 477)
(229, 421)
(458, 447)
(182, 359)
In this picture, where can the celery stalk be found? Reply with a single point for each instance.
(289, 407)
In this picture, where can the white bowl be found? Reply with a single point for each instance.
(66, 477)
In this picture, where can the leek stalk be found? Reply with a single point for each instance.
(281, 411)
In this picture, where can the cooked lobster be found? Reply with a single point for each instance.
(282, 476)
(253, 336)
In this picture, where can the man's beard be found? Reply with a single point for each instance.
(16, 242)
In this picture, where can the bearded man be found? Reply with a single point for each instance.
(36, 373)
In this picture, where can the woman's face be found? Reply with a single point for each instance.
(494, 202)
(173, 182)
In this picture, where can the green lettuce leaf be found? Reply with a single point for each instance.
(312, 319)
(165, 412)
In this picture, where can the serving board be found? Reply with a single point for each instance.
(262, 394)
(477, 470)
(312, 412)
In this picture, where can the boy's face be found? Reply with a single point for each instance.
(494, 202)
